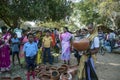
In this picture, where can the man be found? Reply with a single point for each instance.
(112, 39)
(101, 39)
(18, 31)
(86, 58)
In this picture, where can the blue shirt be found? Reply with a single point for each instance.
(106, 43)
(30, 49)
(101, 35)
(112, 36)
(15, 44)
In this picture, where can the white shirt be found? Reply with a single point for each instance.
(95, 43)
(112, 35)
(18, 32)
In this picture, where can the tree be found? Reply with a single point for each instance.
(88, 11)
(13, 10)
(111, 10)
(106, 12)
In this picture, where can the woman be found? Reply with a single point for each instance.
(89, 58)
(65, 39)
(39, 54)
(5, 50)
(79, 36)
(76, 53)
(53, 39)
(15, 47)
(24, 39)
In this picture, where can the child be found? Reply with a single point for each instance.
(30, 50)
(47, 43)
(15, 47)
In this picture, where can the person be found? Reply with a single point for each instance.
(39, 54)
(1, 42)
(5, 50)
(65, 39)
(18, 31)
(30, 50)
(40, 39)
(23, 40)
(112, 39)
(89, 57)
(101, 37)
(76, 53)
(107, 46)
(15, 42)
(100, 34)
(53, 39)
(47, 45)
(37, 36)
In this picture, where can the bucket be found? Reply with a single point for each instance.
(55, 75)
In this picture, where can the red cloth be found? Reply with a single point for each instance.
(53, 39)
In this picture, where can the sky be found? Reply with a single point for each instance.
(74, 0)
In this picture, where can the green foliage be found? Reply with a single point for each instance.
(88, 11)
(12, 10)
(99, 11)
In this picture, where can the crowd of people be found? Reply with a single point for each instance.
(27, 45)
(109, 41)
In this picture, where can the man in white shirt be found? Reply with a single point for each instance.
(18, 31)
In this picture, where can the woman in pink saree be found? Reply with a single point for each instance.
(65, 39)
(5, 50)
(23, 41)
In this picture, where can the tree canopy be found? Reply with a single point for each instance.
(106, 12)
(12, 10)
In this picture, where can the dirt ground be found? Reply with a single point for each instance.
(107, 67)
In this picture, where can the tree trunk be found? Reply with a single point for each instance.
(6, 21)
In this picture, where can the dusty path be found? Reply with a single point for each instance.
(107, 66)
